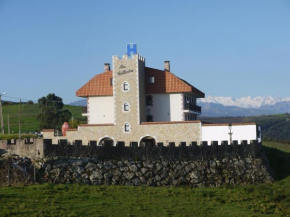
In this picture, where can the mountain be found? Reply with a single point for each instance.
(82, 102)
(245, 106)
(245, 102)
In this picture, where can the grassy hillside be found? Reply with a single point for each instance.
(28, 115)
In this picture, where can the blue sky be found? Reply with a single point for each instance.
(224, 48)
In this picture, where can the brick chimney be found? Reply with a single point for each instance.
(107, 67)
(167, 65)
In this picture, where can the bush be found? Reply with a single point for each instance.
(16, 136)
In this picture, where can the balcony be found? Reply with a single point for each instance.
(192, 107)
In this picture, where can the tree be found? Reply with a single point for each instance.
(75, 123)
(51, 114)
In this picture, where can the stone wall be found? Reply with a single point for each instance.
(31, 148)
(193, 165)
(161, 131)
(196, 173)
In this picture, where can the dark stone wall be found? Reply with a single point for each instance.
(133, 153)
(195, 173)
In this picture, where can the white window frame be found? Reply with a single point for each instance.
(127, 128)
(151, 80)
(126, 104)
(127, 85)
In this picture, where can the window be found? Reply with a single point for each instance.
(126, 86)
(126, 106)
(127, 127)
(149, 118)
(111, 81)
(151, 80)
(149, 100)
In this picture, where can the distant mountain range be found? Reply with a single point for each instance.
(82, 102)
(245, 106)
(245, 102)
(213, 106)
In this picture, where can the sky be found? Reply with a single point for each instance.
(224, 48)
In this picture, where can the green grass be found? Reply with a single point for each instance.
(83, 200)
(281, 146)
(28, 116)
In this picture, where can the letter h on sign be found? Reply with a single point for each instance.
(131, 49)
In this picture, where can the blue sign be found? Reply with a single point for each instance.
(131, 49)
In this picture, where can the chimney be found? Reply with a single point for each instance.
(167, 65)
(107, 67)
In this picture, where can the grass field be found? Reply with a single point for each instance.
(28, 116)
(82, 200)
(277, 145)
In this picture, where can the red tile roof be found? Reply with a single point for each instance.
(227, 124)
(165, 82)
(170, 122)
(100, 85)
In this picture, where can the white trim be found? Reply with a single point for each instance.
(129, 107)
(123, 86)
(124, 128)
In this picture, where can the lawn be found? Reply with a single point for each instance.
(83, 200)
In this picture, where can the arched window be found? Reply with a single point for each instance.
(127, 127)
(125, 86)
(126, 106)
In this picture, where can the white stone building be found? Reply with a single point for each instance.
(135, 103)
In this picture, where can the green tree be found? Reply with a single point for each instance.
(75, 123)
(51, 114)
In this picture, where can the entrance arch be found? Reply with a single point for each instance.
(106, 141)
(147, 141)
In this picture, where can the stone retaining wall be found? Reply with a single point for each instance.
(196, 173)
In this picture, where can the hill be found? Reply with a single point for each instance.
(29, 113)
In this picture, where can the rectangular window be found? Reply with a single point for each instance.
(126, 107)
(126, 86)
(127, 127)
(111, 81)
(151, 80)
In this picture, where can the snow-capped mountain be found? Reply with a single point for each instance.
(245, 102)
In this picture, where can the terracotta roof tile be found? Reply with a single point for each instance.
(100, 85)
(165, 82)
(227, 124)
(170, 122)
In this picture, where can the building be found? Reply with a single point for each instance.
(135, 103)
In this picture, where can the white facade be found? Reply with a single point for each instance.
(100, 110)
(166, 107)
(221, 133)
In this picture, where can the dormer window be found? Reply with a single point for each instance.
(151, 80)
(125, 86)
